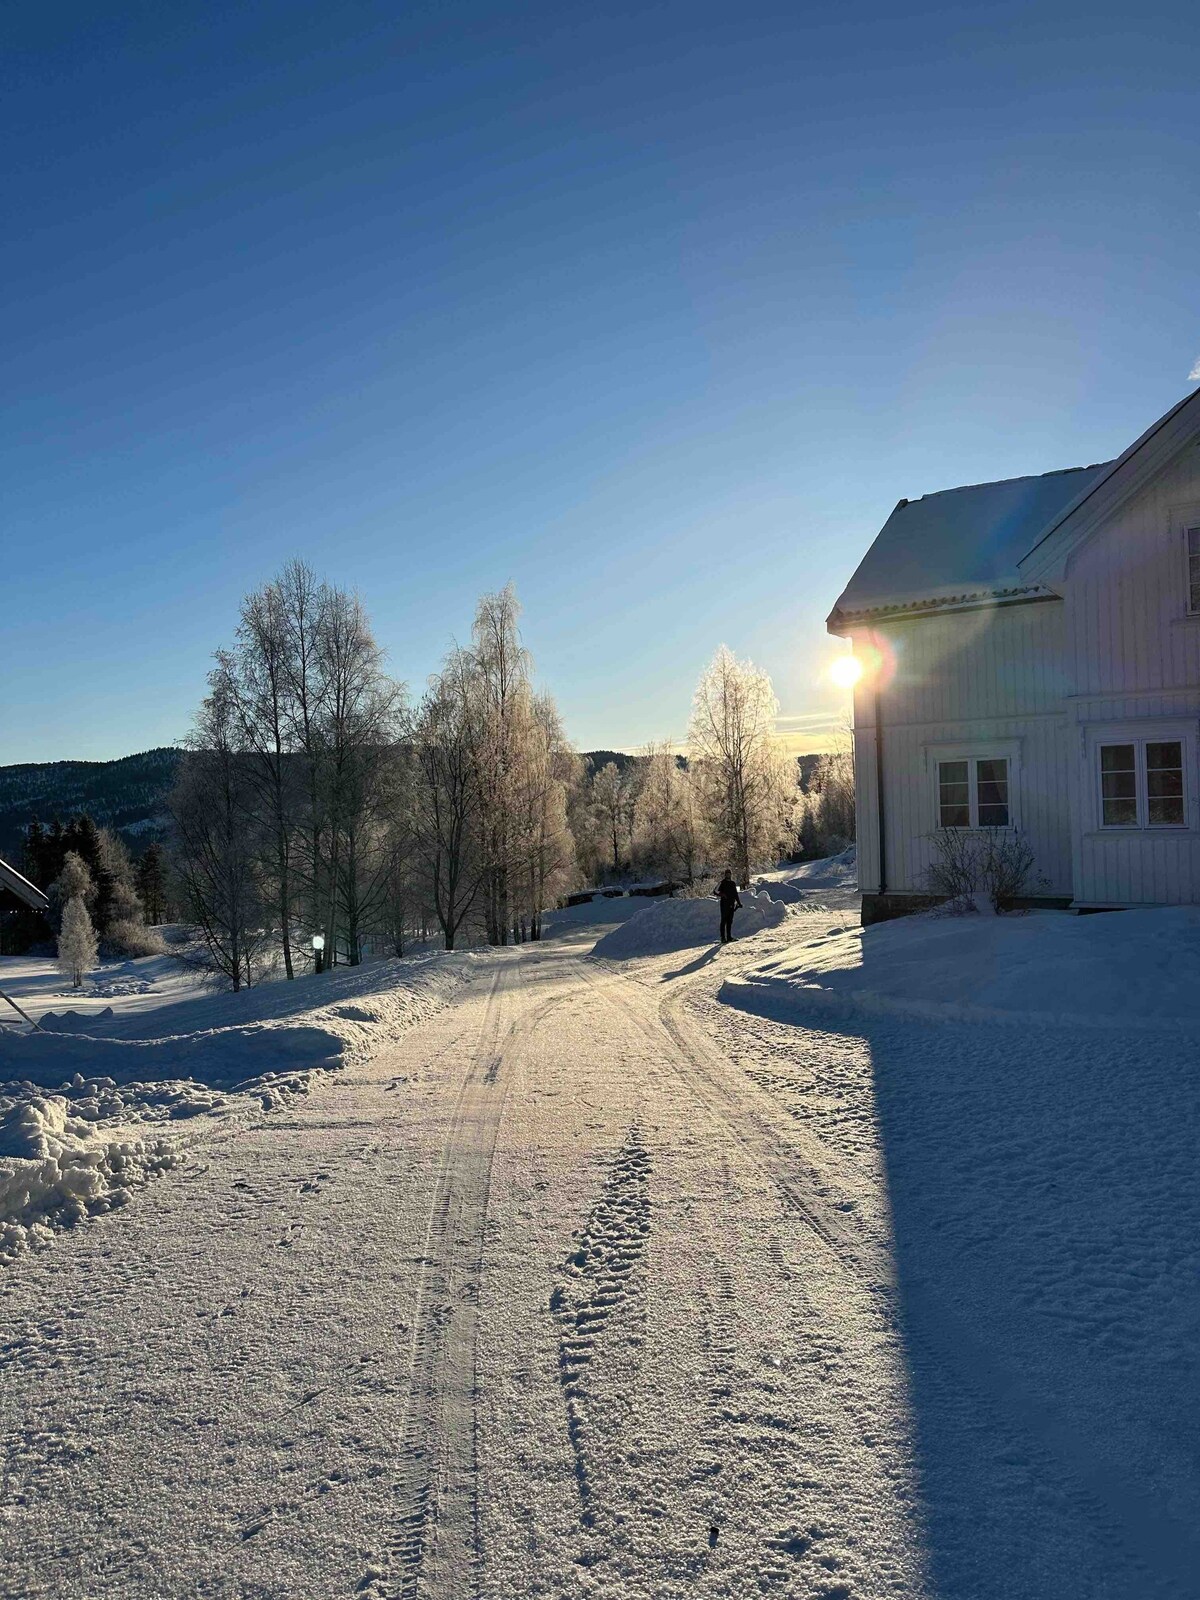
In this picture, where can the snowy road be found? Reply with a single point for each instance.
(561, 1294)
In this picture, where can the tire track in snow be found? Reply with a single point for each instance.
(1054, 1452)
(437, 1547)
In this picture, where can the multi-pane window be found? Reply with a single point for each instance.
(1192, 536)
(991, 793)
(1118, 785)
(954, 794)
(1164, 784)
(1141, 784)
(973, 793)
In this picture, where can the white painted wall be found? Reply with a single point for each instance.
(985, 681)
(1134, 657)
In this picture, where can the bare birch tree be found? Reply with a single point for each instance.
(670, 834)
(747, 783)
(262, 672)
(446, 801)
(356, 737)
(218, 854)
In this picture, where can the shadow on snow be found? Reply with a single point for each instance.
(1044, 1205)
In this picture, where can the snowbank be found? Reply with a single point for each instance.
(74, 1097)
(833, 875)
(666, 925)
(54, 1171)
(1134, 968)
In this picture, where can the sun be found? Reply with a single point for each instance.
(846, 671)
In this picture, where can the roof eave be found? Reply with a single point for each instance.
(19, 885)
(844, 620)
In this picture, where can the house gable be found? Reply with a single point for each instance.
(1130, 627)
(1114, 487)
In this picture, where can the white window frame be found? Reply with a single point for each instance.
(1189, 528)
(1185, 518)
(1139, 738)
(973, 752)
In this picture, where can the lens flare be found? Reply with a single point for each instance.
(846, 671)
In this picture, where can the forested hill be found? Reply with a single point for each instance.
(129, 795)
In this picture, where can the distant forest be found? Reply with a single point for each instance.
(130, 795)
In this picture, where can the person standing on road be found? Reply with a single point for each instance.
(727, 893)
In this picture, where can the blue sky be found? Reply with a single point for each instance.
(654, 310)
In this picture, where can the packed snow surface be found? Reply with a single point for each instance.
(595, 1287)
(1129, 968)
(667, 925)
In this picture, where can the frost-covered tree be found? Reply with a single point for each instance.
(446, 800)
(500, 697)
(74, 882)
(77, 944)
(825, 817)
(545, 848)
(615, 793)
(747, 784)
(671, 836)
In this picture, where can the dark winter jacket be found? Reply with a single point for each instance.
(728, 892)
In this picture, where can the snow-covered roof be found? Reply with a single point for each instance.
(959, 545)
(12, 880)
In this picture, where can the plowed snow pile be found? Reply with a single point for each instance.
(832, 880)
(75, 1098)
(667, 925)
(1128, 968)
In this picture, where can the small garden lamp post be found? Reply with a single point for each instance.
(318, 952)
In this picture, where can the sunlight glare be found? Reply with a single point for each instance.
(846, 671)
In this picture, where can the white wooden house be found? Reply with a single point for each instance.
(1032, 661)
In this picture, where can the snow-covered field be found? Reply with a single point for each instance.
(1134, 969)
(645, 1277)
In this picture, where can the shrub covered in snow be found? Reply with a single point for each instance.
(132, 939)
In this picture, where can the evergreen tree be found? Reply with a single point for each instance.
(152, 885)
(83, 837)
(33, 852)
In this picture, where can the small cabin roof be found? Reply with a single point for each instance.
(959, 544)
(12, 880)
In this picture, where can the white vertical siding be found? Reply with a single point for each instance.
(1134, 656)
(1126, 593)
(992, 676)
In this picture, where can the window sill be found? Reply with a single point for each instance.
(1171, 831)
